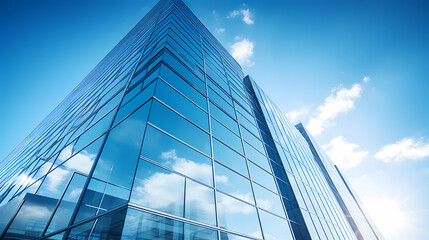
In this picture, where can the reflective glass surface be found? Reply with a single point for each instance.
(65, 209)
(162, 117)
(143, 225)
(229, 157)
(168, 139)
(175, 155)
(268, 200)
(262, 177)
(275, 228)
(200, 204)
(232, 183)
(237, 216)
(158, 189)
(118, 160)
(182, 105)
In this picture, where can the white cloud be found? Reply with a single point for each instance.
(220, 30)
(222, 179)
(81, 161)
(341, 100)
(66, 152)
(343, 153)
(75, 193)
(366, 79)
(297, 115)
(242, 51)
(233, 14)
(34, 212)
(159, 191)
(200, 171)
(230, 205)
(24, 179)
(247, 16)
(405, 149)
(55, 180)
(264, 203)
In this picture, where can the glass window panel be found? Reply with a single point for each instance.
(55, 183)
(229, 157)
(32, 217)
(232, 183)
(66, 153)
(223, 118)
(81, 231)
(244, 113)
(109, 226)
(162, 117)
(95, 131)
(295, 191)
(221, 102)
(237, 216)
(178, 83)
(68, 203)
(268, 200)
(275, 228)
(199, 204)
(107, 107)
(83, 160)
(250, 138)
(8, 210)
(43, 170)
(226, 136)
(262, 177)
(137, 78)
(240, 99)
(159, 189)
(181, 51)
(114, 197)
(188, 75)
(193, 232)
(91, 200)
(220, 92)
(173, 154)
(319, 227)
(176, 101)
(136, 102)
(120, 154)
(229, 236)
(143, 225)
(256, 157)
(278, 171)
(58, 236)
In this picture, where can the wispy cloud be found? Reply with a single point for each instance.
(366, 79)
(405, 149)
(247, 16)
(242, 51)
(344, 154)
(297, 115)
(220, 30)
(341, 100)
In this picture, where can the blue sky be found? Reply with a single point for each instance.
(355, 73)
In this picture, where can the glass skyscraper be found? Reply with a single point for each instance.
(167, 139)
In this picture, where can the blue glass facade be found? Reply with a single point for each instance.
(167, 139)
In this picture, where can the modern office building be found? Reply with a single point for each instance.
(167, 139)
